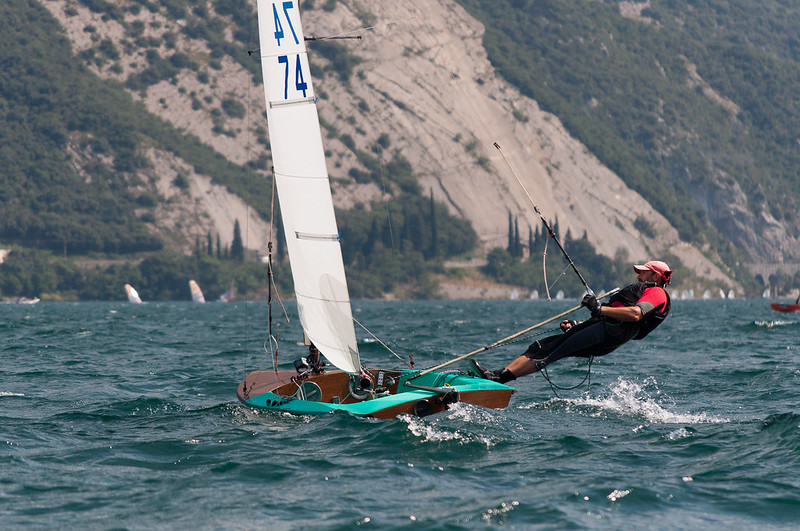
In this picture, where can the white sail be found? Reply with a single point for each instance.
(133, 296)
(298, 157)
(229, 295)
(197, 295)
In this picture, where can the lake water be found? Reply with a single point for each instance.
(119, 416)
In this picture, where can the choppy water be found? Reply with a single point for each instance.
(124, 416)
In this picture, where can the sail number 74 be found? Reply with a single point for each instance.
(279, 34)
(299, 81)
(283, 19)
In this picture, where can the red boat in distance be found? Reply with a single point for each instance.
(780, 307)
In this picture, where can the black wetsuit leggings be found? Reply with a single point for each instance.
(583, 340)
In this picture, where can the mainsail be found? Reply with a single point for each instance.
(298, 157)
(133, 296)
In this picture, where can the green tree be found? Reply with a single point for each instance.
(433, 248)
(237, 248)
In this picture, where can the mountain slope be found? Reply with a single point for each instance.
(419, 85)
(692, 104)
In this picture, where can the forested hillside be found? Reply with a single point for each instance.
(75, 181)
(55, 111)
(108, 135)
(693, 104)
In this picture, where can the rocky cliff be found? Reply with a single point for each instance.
(424, 83)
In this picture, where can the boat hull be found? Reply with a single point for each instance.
(333, 391)
(778, 307)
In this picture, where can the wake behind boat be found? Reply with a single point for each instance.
(312, 240)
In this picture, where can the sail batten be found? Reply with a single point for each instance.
(303, 186)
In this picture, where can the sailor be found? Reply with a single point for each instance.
(632, 313)
(311, 364)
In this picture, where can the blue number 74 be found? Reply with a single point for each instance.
(299, 83)
(279, 34)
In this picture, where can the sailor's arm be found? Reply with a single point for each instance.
(623, 313)
(628, 313)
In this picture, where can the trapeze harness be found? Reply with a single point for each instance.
(599, 336)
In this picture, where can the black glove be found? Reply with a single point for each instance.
(590, 301)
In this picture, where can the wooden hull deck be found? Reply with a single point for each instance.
(392, 393)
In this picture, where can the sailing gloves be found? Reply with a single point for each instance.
(591, 303)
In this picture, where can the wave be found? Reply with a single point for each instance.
(455, 424)
(631, 399)
(774, 323)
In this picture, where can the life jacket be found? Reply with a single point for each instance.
(630, 295)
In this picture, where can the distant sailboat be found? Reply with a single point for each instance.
(197, 295)
(780, 307)
(229, 295)
(133, 295)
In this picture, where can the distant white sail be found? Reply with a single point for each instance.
(229, 295)
(298, 157)
(197, 295)
(133, 296)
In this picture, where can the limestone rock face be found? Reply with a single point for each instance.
(425, 87)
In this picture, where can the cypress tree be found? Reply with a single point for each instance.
(510, 247)
(530, 241)
(434, 246)
(237, 249)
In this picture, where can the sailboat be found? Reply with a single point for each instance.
(785, 307)
(312, 240)
(133, 295)
(230, 295)
(197, 295)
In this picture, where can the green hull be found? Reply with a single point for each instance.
(442, 390)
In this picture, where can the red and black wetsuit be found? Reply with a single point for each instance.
(598, 337)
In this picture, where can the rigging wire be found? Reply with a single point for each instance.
(271, 281)
(586, 378)
(544, 221)
(376, 338)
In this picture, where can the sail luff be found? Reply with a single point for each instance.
(312, 236)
